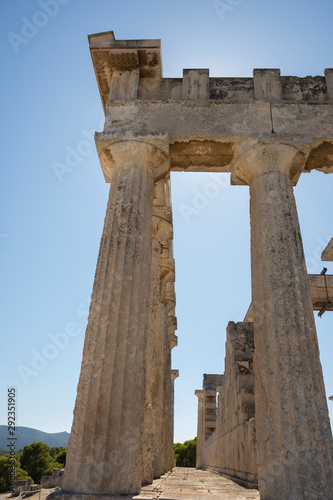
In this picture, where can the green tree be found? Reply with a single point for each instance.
(4, 473)
(61, 457)
(186, 453)
(54, 451)
(36, 460)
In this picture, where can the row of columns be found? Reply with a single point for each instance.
(158, 428)
(122, 430)
(126, 361)
(293, 434)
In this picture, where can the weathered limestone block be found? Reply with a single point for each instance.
(294, 438)
(267, 85)
(124, 85)
(195, 84)
(104, 450)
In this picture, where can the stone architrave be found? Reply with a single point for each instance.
(200, 430)
(294, 438)
(105, 446)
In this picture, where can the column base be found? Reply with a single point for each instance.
(68, 495)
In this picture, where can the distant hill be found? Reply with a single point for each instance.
(26, 435)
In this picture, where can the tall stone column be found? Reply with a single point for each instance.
(174, 375)
(153, 459)
(105, 446)
(294, 439)
(200, 430)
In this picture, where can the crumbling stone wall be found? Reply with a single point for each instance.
(230, 448)
(54, 480)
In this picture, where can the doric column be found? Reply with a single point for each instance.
(174, 375)
(153, 456)
(294, 439)
(200, 431)
(105, 446)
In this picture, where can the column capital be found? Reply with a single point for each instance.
(174, 375)
(129, 150)
(254, 158)
(199, 393)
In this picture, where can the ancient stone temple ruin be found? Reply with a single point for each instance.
(269, 425)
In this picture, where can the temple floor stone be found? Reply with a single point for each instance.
(187, 483)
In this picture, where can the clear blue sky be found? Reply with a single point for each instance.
(50, 230)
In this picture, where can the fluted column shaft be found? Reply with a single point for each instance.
(200, 431)
(174, 375)
(294, 439)
(154, 376)
(104, 452)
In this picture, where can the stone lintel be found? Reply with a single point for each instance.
(267, 85)
(327, 254)
(205, 138)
